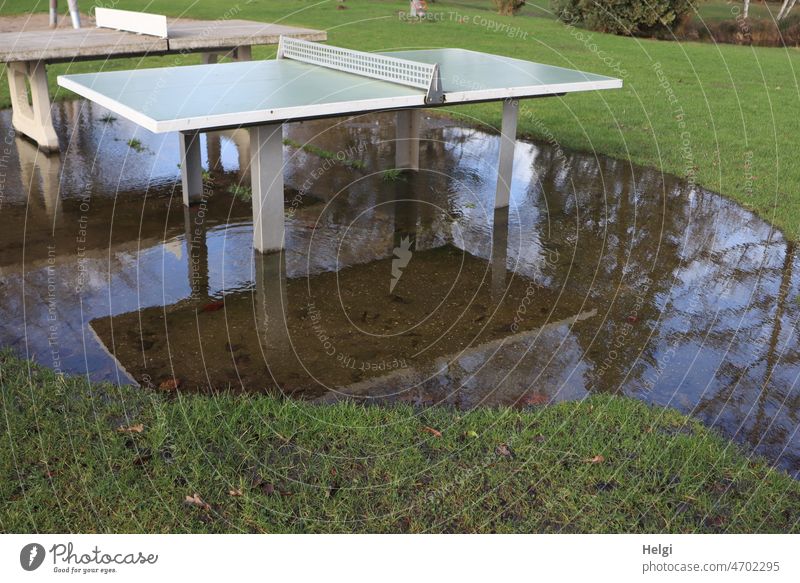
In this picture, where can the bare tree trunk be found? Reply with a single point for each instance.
(746, 11)
(786, 8)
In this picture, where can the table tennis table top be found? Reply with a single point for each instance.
(216, 96)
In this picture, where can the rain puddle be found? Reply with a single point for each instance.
(400, 287)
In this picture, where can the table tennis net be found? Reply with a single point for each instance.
(409, 73)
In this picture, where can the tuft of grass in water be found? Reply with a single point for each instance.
(241, 191)
(84, 457)
(136, 145)
(324, 154)
(393, 175)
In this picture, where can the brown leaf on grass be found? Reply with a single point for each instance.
(432, 431)
(197, 501)
(169, 384)
(213, 306)
(138, 428)
(235, 492)
(503, 450)
(715, 521)
(598, 459)
(534, 399)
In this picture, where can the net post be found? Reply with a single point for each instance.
(435, 91)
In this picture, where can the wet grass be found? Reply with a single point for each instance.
(719, 116)
(392, 175)
(242, 192)
(136, 145)
(325, 154)
(261, 464)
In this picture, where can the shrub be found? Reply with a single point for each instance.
(627, 17)
(508, 7)
(758, 32)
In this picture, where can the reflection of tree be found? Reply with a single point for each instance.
(709, 334)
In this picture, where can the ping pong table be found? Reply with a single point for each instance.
(309, 80)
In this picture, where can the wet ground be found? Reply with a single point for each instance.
(600, 277)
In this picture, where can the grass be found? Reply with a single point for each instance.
(392, 175)
(721, 116)
(136, 145)
(83, 457)
(325, 154)
(242, 192)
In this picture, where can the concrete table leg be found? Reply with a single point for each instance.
(33, 161)
(273, 309)
(243, 53)
(508, 138)
(194, 219)
(191, 167)
(266, 171)
(407, 139)
(31, 110)
(499, 253)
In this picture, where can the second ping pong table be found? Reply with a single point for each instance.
(309, 80)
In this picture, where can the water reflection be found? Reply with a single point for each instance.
(600, 277)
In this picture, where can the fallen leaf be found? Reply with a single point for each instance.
(598, 459)
(535, 399)
(472, 434)
(213, 306)
(432, 431)
(267, 488)
(632, 319)
(504, 450)
(197, 501)
(138, 428)
(235, 492)
(169, 384)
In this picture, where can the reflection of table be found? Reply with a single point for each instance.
(27, 53)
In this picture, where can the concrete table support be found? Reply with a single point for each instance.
(266, 167)
(31, 109)
(508, 138)
(242, 53)
(191, 167)
(26, 52)
(499, 254)
(407, 139)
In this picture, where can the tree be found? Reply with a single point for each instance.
(786, 8)
(508, 7)
(626, 17)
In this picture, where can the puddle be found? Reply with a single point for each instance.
(600, 277)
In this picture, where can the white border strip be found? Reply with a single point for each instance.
(315, 110)
(129, 21)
